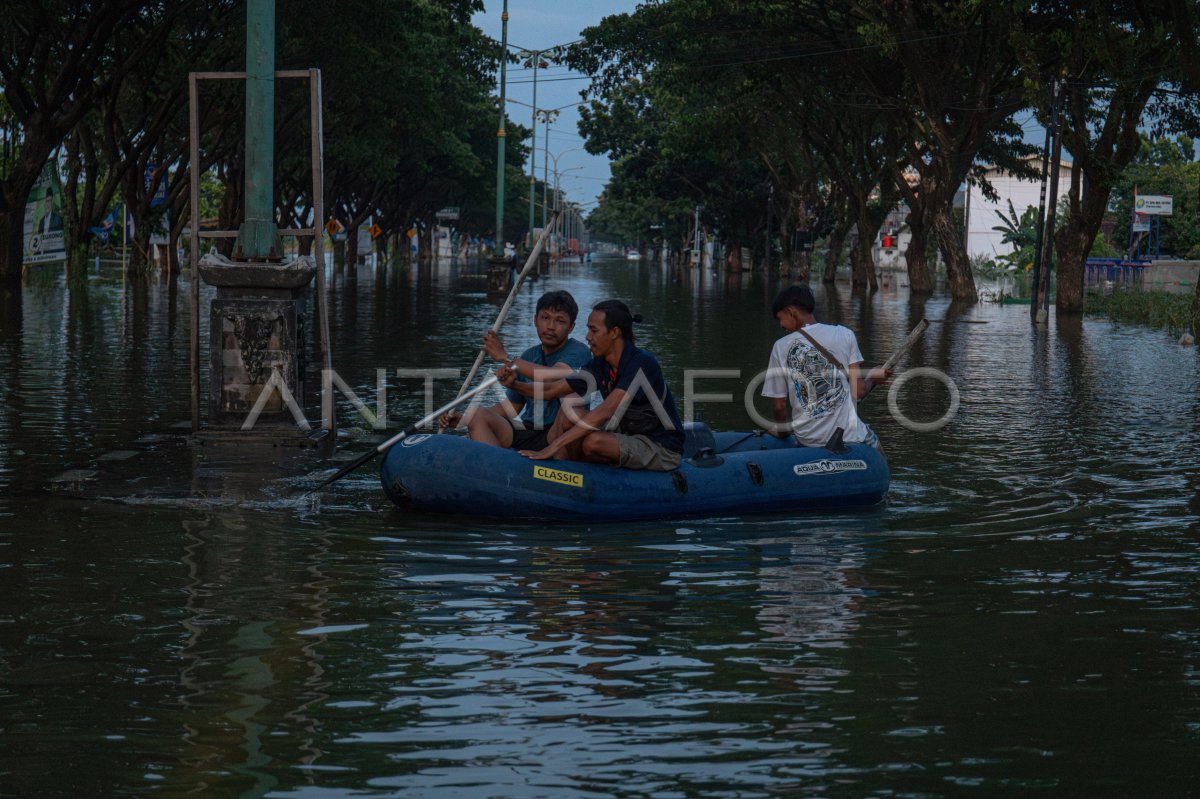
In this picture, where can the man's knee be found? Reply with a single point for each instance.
(592, 445)
(601, 447)
(478, 421)
(490, 427)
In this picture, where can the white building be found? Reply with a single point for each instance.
(982, 214)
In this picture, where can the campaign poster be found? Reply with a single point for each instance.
(44, 240)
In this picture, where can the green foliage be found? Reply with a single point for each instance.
(1020, 232)
(1157, 309)
(407, 97)
(1164, 165)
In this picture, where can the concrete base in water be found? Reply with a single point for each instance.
(499, 275)
(235, 437)
(256, 355)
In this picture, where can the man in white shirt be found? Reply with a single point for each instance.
(815, 368)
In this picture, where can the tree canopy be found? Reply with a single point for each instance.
(100, 88)
(834, 113)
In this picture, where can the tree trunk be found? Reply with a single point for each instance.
(1073, 242)
(11, 317)
(954, 252)
(339, 255)
(803, 261)
(1196, 311)
(12, 246)
(172, 263)
(786, 256)
(352, 246)
(864, 273)
(837, 238)
(869, 219)
(1071, 245)
(920, 278)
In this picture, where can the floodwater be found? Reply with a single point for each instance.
(1019, 617)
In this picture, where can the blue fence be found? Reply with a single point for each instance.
(1120, 271)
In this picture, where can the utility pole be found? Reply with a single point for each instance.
(536, 58)
(1040, 311)
(770, 200)
(1041, 240)
(258, 238)
(500, 135)
(548, 117)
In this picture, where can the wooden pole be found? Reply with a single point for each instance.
(194, 244)
(329, 422)
(512, 294)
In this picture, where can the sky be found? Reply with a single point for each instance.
(542, 24)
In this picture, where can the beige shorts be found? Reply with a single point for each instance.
(642, 452)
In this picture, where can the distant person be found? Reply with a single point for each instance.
(815, 368)
(522, 420)
(644, 434)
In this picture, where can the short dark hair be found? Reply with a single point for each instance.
(798, 296)
(558, 301)
(618, 315)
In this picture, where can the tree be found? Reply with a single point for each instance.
(57, 59)
(1106, 103)
(961, 84)
(1164, 165)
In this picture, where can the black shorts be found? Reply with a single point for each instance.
(530, 438)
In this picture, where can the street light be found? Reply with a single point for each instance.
(558, 198)
(547, 116)
(546, 180)
(498, 250)
(534, 58)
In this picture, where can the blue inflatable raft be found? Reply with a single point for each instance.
(723, 473)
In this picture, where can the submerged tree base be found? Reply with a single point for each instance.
(1158, 309)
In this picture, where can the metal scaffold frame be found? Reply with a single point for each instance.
(316, 231)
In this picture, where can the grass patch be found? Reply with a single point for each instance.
(1157, 309)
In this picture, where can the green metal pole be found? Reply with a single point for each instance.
(500, 134)
(533, 148)
(258, 238)
(546, 172)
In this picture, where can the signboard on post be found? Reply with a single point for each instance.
(44, 240)
(1140, 224)
(1153, 204)
(375, 230)
(448, 215)
(333, 227)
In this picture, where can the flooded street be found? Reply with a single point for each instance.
(1021, 614)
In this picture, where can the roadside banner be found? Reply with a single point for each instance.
(44, 240)
(1154, 204)
(156, 186)
(105, 228)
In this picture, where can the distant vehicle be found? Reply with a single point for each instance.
(633, 255)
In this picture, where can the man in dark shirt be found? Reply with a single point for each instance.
(636, 426)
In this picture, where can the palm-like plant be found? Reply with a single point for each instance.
(1021, 233)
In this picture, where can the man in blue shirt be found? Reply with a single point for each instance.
(636, 426)
(554, 318)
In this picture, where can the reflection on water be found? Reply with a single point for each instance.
(1021, 613)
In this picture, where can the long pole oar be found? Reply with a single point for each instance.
(512, 295)
(396, 439)
(463, 394)
(907, 344)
